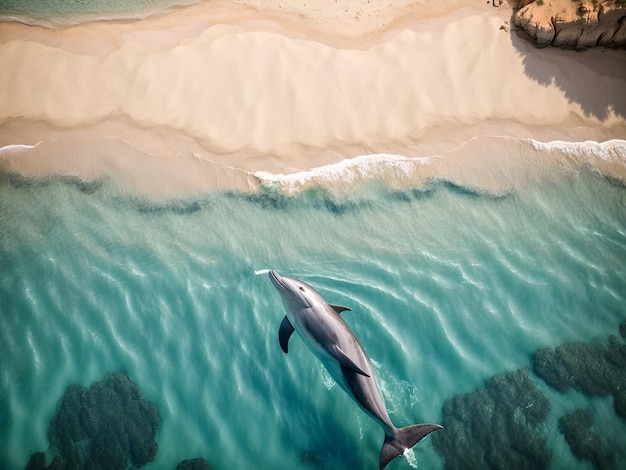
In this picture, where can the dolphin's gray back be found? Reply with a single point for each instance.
(365, 393)
(363, 389)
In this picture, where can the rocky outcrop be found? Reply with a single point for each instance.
(573, 24)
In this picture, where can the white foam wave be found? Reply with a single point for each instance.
(347, 171)
(401, 169)
(261, 271)
(16, 149)
(608, 150)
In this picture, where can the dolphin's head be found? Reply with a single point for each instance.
(296, 294)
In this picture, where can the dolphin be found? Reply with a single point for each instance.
(323, 330)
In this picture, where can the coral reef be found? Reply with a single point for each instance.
(37, 461)
(496, 426)
(102, 427)
(586, 367)
(584, 443)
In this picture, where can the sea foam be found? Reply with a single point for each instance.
(614, 149)
(348, 171)
(466, 164)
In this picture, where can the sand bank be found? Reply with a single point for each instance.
(210, 95)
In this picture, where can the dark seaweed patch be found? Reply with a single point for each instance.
(584, 443)
(414, 194)
(496, 426)
(103, 426)
(312, 198)
(461, 190)
(430, 189)
(193, 464)
(586, 367)
(84, 186)
(472, 193)
(173, 206)
(313, 459)
(17, 180)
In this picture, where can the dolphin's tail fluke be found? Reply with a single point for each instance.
(403, 439)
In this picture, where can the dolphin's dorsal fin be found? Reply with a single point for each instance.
(339, 308)
(284, 333)
(345, 360)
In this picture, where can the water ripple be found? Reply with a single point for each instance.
(447, 290)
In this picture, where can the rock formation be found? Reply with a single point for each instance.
(573, 24)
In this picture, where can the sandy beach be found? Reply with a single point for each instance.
(228, 95)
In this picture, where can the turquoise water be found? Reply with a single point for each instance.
(77, 11)
(448, 287)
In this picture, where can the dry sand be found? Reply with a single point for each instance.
(210, 95)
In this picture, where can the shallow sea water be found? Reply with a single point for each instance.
(448, 287)
(63, 12)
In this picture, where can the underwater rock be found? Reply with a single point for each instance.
(103, 426)
(622, 329)
(620, 404)
(586, 367)
(585, 444)
(616, 354)
(581, 366)
(496, 426)
(194, 464)
(37, 461)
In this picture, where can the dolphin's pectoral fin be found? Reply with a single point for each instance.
(284, 333)
(339, 308)
(343, 358)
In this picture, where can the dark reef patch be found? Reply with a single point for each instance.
(616, 353)
(496, 426)
(318, 198)
(193, 464)
(37, 461)
(584, 443)
(586, 367)
(17, 180)
(102, 427)
(170, 206)
(313, 459)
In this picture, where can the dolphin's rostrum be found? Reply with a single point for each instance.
(328, 336)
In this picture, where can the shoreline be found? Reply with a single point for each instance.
(351, 24)
(141, 100)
